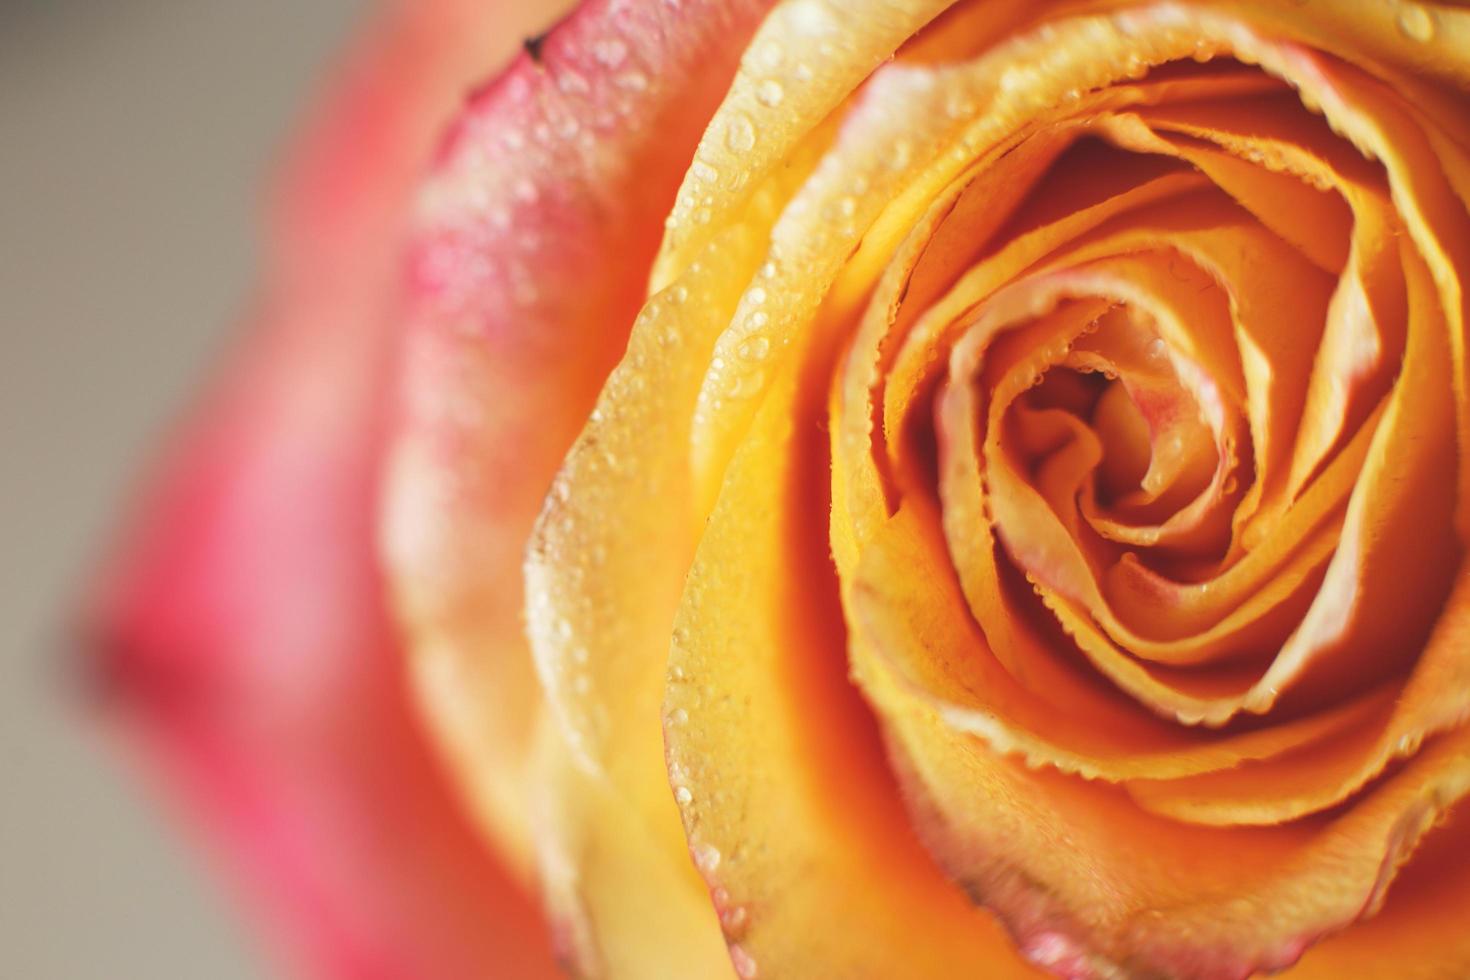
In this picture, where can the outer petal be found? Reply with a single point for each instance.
(536, 233)
(242, 627)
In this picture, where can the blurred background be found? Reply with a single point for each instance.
(134, 138)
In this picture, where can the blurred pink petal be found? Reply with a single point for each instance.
(241, 625)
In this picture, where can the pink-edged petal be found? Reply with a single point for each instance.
(531, 256)
(240, 628)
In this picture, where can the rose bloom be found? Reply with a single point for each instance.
(886, 488)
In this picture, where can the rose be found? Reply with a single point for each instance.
(1114, 355)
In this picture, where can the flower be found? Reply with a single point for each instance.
(1021, 525)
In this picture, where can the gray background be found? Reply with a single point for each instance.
(134, 135)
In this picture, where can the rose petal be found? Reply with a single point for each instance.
(242, 624)
(536, 233)
(791, 814)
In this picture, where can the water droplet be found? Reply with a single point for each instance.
(706, 858)
(770, 93)
(570, 82)
(747, 384)
(682, 796)
(610, 52)
(1125, 24)
(771, 54)
(755, 349)
(744, 964)
(1156, 348)
(961, 106)
(678, 716)
(812, 17)
(703, 171)
(739, 134)
(678, 294)
(733, 918)
(1417, 22)
(899, 154)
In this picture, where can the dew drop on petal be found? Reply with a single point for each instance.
(755, 348)
(610, 52)
(739, 133)
(634, 81)
(706, 857)
(733, 919)
(570, 82)
(1416, 22)
(811, 17)
(899, 155)
(743, 962)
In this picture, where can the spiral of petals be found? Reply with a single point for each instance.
(1087, 381)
